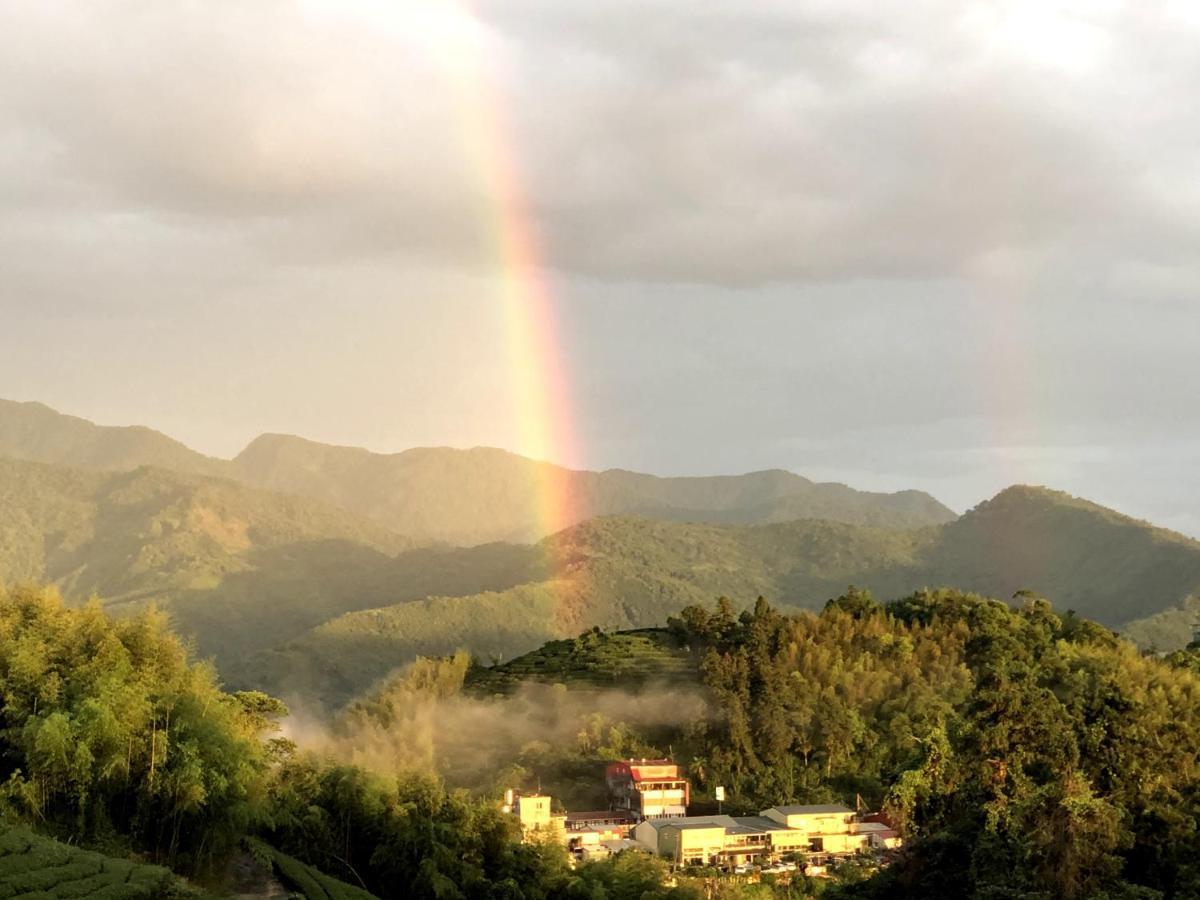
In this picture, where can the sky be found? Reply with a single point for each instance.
(940, 244)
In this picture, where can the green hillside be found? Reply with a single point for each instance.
(1105, 566)
(460, 497)
(240, 569)
(35, 866)
(310, 882)
(484, 494)
(618, 573)
(595, 659)
(621, 573)
(36, 432)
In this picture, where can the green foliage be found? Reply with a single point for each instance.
(629, 659)
(1105, 566)
(1022, 753)
(634, 573)
(405, 836)
(106, 726)
(34, 865)
(312, 883)
(239, 569)
(623, 573)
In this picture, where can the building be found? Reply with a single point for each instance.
(811, 834)
(591, 834)
(647, 788)
(538, 820)
(821, 818)
(618, 819)
(722, 841)
(604, 849)
(836, 830)
(880, 835)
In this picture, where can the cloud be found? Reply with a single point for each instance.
(662, 141)
(857, 240)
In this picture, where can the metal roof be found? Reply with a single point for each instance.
(697, 822)
(762, 823)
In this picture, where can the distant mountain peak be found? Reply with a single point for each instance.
(460, 496)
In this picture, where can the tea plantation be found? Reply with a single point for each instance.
(39, 868)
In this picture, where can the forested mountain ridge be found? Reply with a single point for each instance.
(244, 569)
(1022, 751)
(34, 431)
(461, 497)
(485, 494)
(613, 573)
(1104, 565)
(620, 573)
(237, 568)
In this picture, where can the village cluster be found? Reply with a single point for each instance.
(648, 811)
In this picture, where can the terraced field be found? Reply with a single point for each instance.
(594, 659)
(39, 868)
(312, 883)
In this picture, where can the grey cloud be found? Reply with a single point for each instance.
(665, 141)
(935, 244)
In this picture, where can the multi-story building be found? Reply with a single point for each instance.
(648, 788)
(830, 827)
(807, 833)
(723, 841)
(538, 820)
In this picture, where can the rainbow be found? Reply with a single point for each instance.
(538, 373)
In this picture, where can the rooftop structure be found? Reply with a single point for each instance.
(608, 817)
(648, 788)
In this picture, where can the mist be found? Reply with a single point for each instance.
(541, 736)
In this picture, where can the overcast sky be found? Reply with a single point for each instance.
(942, 245)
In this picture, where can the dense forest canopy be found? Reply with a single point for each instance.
(1022, 752)
(621, 573)
(1027, 754)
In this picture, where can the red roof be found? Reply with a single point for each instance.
(648, 769)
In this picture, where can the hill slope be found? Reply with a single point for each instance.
(1105, 566)
(32, 865)
(623, 659)
(484, 494)
(36, 432)
(238, 568)
(460, 497)
(632, 573)
(617, 573)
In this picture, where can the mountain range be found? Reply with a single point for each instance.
(623, 573)
(450, 496)
(313, 570)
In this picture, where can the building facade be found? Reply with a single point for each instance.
(808, 834)
(648, 788)
(538, 820)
